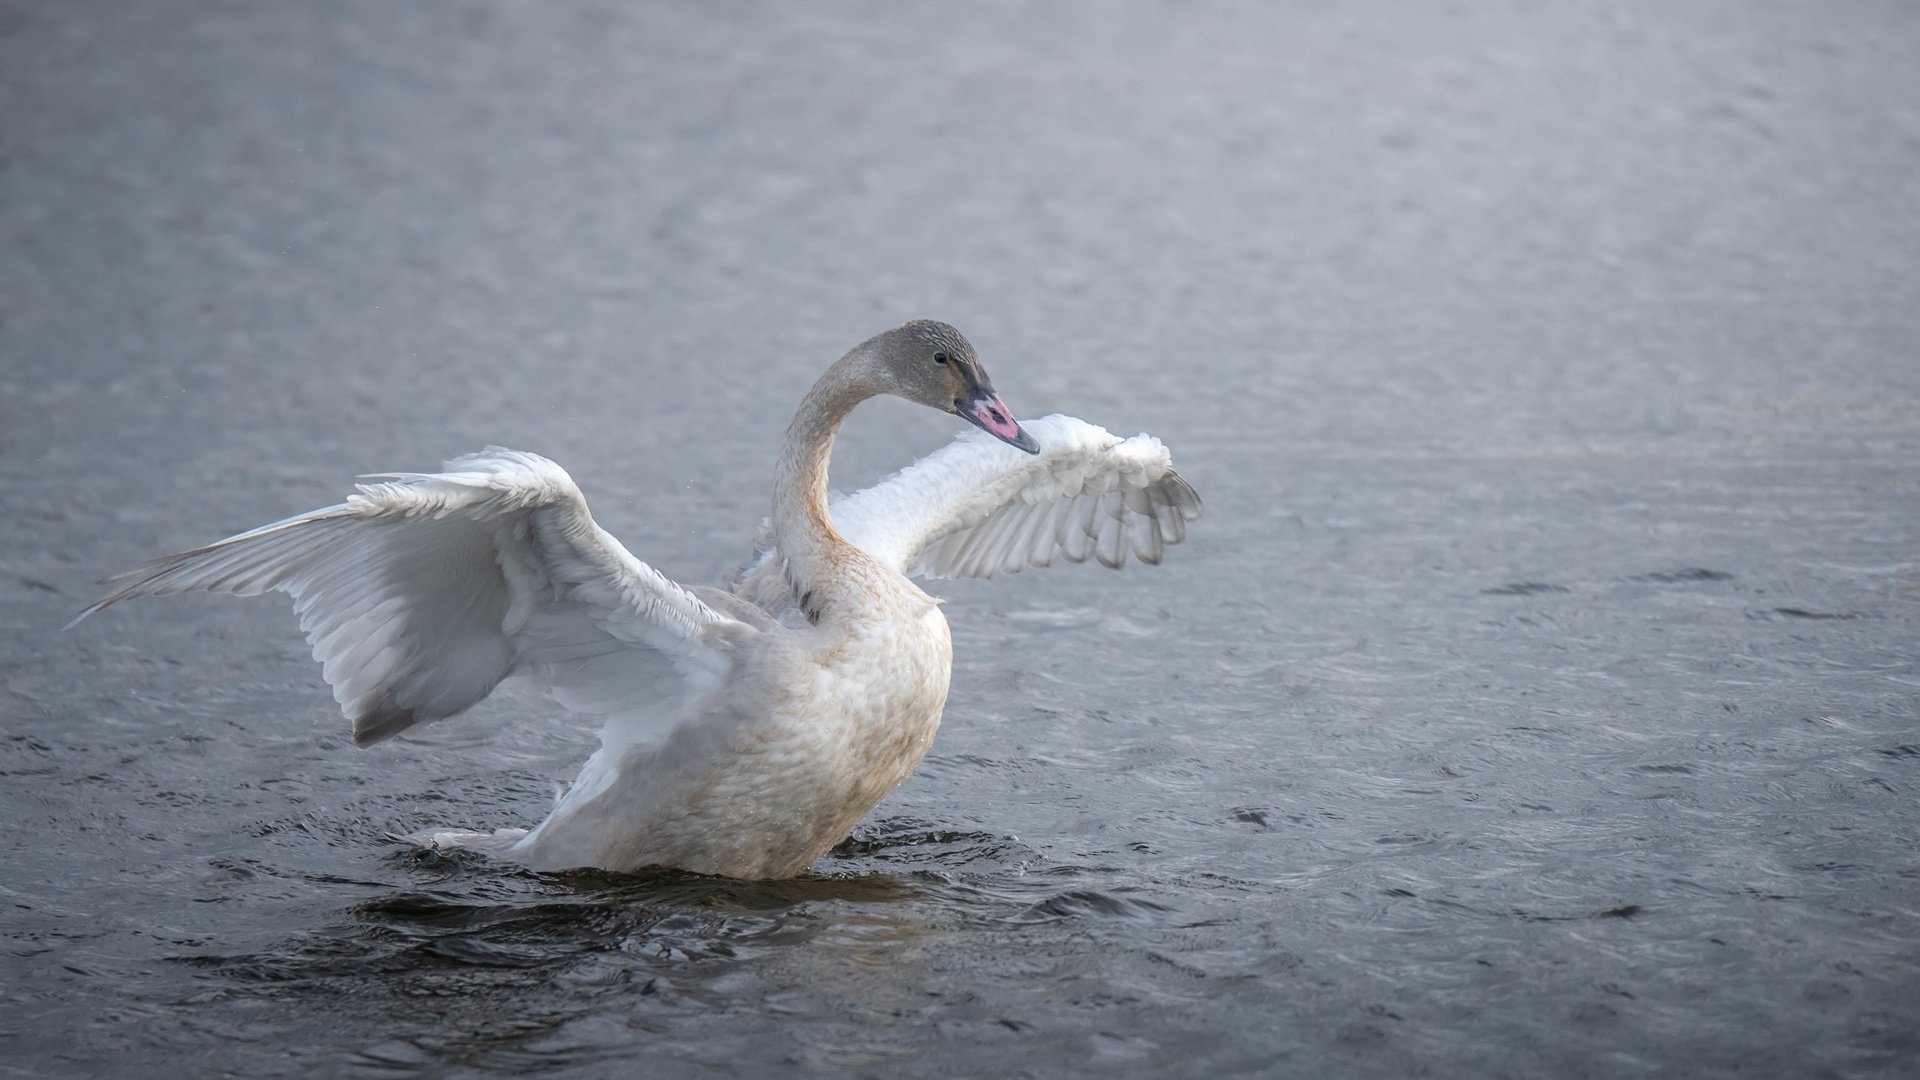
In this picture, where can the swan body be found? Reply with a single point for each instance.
(746, 727)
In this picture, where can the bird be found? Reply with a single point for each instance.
(748, 726)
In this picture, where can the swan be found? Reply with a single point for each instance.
(746, 727)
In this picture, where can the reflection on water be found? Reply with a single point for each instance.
(474, 938)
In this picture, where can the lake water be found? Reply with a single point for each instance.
(1539, 697)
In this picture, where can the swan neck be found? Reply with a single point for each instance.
(801, 525)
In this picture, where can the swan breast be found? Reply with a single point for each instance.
(870, 705)
(826, 722)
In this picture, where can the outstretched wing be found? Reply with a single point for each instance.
(977, 507)
(422, 591)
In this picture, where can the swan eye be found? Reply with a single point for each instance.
(939, 358)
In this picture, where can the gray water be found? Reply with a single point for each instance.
(1539, 696)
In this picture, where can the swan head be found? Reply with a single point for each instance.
(930, 363)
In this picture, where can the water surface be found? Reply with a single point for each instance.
(1539, 696)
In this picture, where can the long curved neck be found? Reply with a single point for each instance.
(814, 551)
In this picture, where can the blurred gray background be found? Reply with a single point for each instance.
(1539, 696)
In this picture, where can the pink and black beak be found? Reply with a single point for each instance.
(984, 409)
(987, 412)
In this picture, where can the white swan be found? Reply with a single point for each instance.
(747, 728)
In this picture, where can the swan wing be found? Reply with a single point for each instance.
(422, 591)
(978, 507)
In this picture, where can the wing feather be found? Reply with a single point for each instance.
(423, 591)
(1080, 530)
(977, 508)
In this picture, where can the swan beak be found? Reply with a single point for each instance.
(991, 415)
